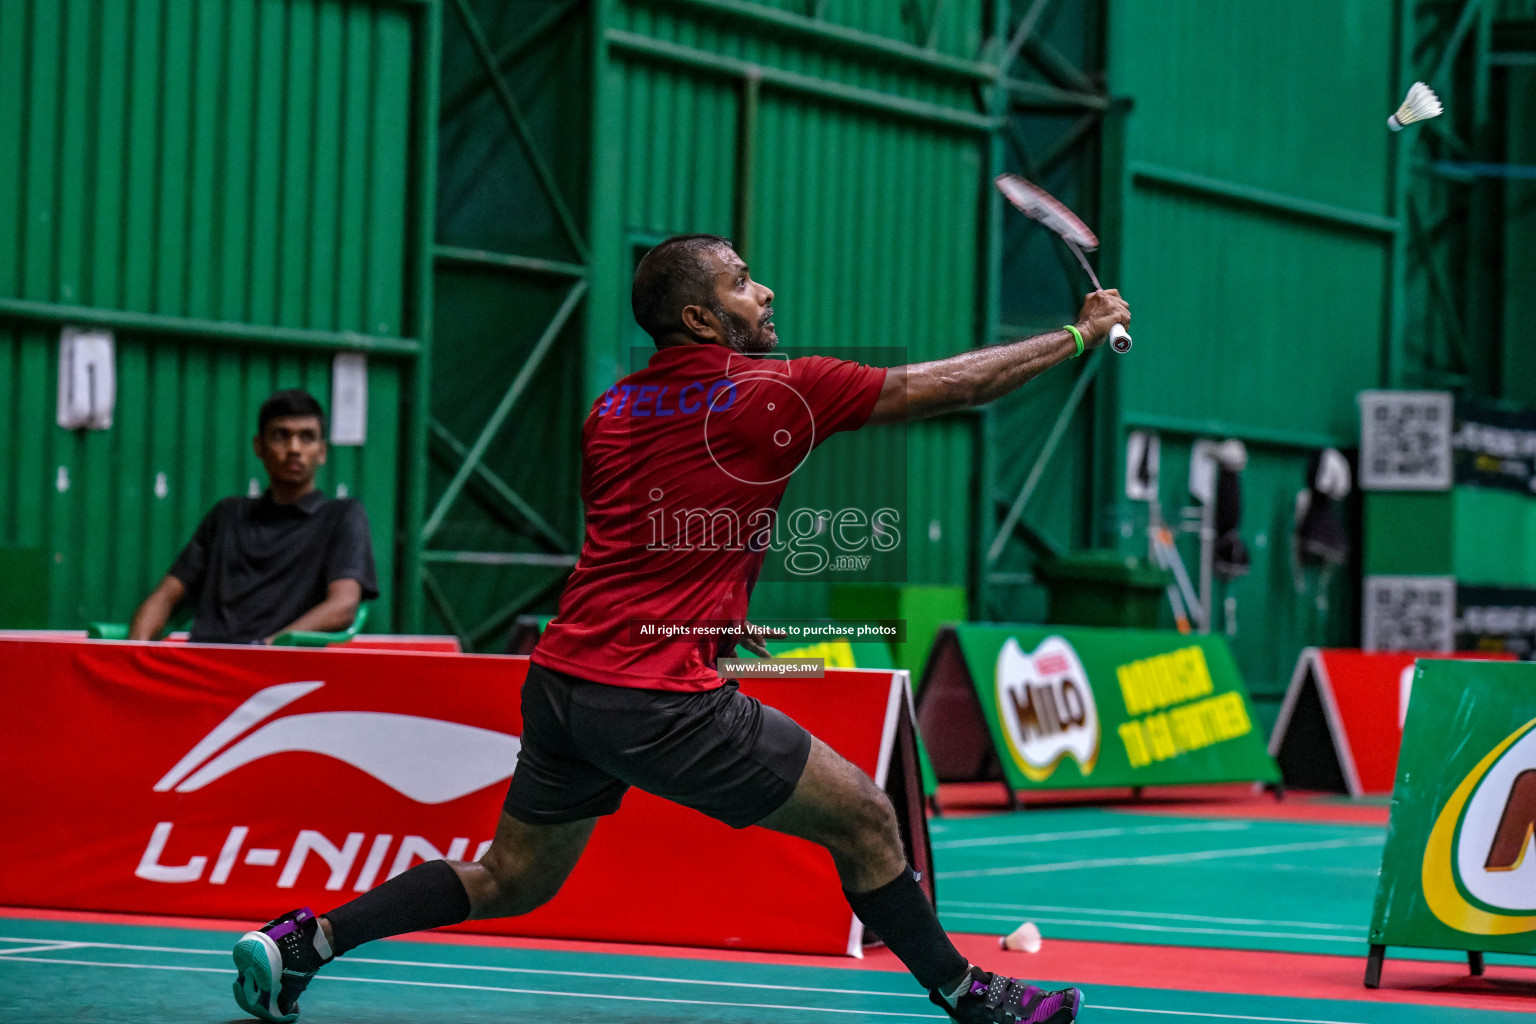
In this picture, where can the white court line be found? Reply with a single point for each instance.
(500, 969)
(1094, 833)
(119, 945)
(638, 977)
(1310, 869)
(487, 988)
(1185, 929)
(655, 999)
(51, 945)
(1162, 858)
(1157, 914)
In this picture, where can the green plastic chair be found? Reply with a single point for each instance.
(296, 638)
(304, 638)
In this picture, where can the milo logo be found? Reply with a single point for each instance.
(1046, 707)
(1479, 868)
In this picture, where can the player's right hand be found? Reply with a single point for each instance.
(1100, 312)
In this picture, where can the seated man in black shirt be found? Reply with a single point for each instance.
(288, 560)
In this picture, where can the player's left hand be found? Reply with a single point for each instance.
(755, 638)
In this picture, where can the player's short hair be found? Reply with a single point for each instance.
(671, 276)
(289, 402)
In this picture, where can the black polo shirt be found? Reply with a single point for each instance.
(254, 566)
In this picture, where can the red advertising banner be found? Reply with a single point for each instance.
(1350, 704)
(243, 781)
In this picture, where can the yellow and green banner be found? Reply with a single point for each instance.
(1458, 870)
(1076, 706)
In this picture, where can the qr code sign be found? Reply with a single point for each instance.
(1410, 613)
(1405, 440)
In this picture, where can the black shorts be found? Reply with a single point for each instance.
(585, 743)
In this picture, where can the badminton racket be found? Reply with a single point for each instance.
(1038, 205)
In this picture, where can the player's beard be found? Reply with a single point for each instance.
(740, 336)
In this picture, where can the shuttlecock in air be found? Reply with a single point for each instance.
(1421, 105)
(1025, 939)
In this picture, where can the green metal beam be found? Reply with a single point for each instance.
(498, 558)
(1440, 290)
(1031, 95)
(520, 125)
(989, 303)
(503, 261)
(1263, 199)
(1464, 25)
(603, 344)
(703, 60)
(1047, 450)
(508, 55)
(746, 162)
(439, 601)
(1022, 33)
(428, 61)
(1056, 65)
(453, 453)
(1069, 141)
(824, 36)
(1107, 450)
(197, 329)
(931, 37)
(1394, 340)
(1264, 436)
(1031, 532)
(498, 619)
(504, 408)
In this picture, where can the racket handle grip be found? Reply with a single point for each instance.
(1119, 339)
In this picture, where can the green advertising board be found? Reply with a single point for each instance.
(1078, 706)
(1458, 871)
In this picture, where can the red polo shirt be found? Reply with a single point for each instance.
(683, 467)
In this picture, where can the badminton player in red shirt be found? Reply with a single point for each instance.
(683, 466)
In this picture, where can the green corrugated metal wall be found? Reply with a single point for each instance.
(1258, 233)
(228, 185)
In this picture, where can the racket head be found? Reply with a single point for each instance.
(1037, 204)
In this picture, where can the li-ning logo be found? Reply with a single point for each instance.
(1046, 706)
(426, 759)
(1479, 872)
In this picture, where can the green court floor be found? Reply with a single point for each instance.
(64, 973)
(1099, 876)
(1111, 876)
(1220, 883)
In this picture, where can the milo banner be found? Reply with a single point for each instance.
(1458, 871)
(1074, 707)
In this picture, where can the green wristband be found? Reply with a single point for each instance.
(1076, 334)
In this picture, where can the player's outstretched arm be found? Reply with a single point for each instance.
(983, 375)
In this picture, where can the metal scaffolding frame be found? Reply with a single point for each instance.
(1017, 74)
(471, 478)
(1036, 80)
(1446, 326)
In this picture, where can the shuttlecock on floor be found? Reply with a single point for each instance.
(1421, 105)
(1024, 939)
